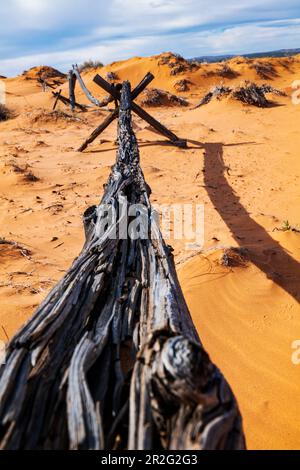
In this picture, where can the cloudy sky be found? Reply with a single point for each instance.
(61, 32)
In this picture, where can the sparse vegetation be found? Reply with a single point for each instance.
(112, 76)
(177, 63)
(251, 94)
(182, 85)
(265, 70)
(29, 176)
(234, 257)
(53, 116)
(18, 169)
(156, 97)
(287, 227)
(248, 93)
(227, 72)
(5, 113)
(90, 65)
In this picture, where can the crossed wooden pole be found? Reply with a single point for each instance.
(115, 92)
(59, 97)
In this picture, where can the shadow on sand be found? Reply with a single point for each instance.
(265, 252)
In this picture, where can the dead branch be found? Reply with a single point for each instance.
(111, 358)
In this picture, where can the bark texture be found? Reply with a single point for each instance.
(111, 359)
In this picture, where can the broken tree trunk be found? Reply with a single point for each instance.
(111, 359)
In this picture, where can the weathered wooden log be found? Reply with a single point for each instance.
(72, 85)
(149, 77)
(158, 126)
(59, 97)
(114, 114)
(116, 93)
(88, 94)
(111, 358)
(139, 111)
(44, 84)
(108, 120)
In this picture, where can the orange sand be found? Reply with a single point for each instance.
(242, 163)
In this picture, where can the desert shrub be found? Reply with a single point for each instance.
(248, 93)
(287, 227)
(177, 63)
(178, 57)
(5, 113)
(265, 70)
(24, 170)
(251, 94)
(227, 72)
(111, 76)
(177, 68)
(45, 116)
(182, 85)
(31, 177)
(156, 97)
(234, 257)
(90, 65)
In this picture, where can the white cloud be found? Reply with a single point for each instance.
(60, 32)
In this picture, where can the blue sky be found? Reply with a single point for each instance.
(62, 32)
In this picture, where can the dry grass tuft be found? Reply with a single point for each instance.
(182, 85)
(53, 116)
(265, 70)
(156, 97)
(234, 257)
(5, 113)
(90, 65)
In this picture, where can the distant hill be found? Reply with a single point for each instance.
(255, 55)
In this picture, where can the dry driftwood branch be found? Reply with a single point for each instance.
(88, 94)
(217, 91)
(57, 96)
(111, 358)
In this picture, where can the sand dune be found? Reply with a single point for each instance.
(242, 163)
